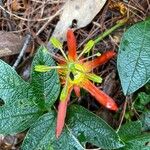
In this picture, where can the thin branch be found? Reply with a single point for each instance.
(49, 20)
(5, 15)
(123, 113)
(25, 19)
(24, 47)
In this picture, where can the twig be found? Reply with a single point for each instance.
(49, 2)
(107, 32)
(24, 47)
(25, 19)
(49, 20)
(5, 15)
(123, 113)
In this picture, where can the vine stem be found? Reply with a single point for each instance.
(107, 32)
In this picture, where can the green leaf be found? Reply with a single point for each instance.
(82, 126)
(10, 84)
(138, 143)
(125, 131)
(146, 121)
(142, 100)
(14, 117)
(45, 85)
(18, 116)
(25, 102)
(134, 57)
(41, 136)
(131, 134)
(88, 127)
(147, 87)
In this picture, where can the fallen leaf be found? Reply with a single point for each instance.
(78, 12)
(18, 5)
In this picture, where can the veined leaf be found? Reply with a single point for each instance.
(146, 121)
(125, 131)
(82, 126)
(133, 137)
(45, 85)
(18, 116)
(42, 136)
(141, 101)
(25, 102)
(138, 143)
(88, 127)
(134, 57)
(12, 87)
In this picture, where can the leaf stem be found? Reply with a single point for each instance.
(107, 32)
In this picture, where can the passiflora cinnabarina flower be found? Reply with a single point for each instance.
(76, 72)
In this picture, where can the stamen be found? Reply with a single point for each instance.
(64, 92)
(95, 55)
(87, 48)
(57, 44)
(91, 76)
(63, 54)
(94, 77)
(44, 68)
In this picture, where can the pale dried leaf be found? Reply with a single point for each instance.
(83, 11)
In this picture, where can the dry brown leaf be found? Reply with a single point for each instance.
(17, 5)
(81, 12)
(10, 43)
(119, 6)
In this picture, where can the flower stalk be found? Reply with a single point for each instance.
(107, 32)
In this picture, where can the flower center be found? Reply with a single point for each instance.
(76, 73)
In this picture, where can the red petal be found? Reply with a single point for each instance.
(71, 42)
(90, 65)
(62, 108)
(100, 96)
(77, 90)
